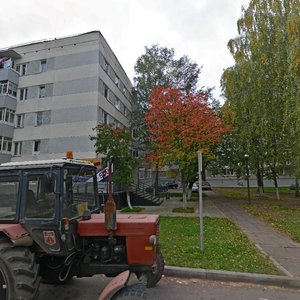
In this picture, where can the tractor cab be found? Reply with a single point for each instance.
(47, 198)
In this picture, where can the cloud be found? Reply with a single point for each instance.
(197, 28)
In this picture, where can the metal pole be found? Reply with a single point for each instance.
(200, 199)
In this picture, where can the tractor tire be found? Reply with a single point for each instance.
(18, 273)
(132, 292)
(154, 277)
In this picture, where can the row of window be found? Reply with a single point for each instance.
(23, 93)
(114, 77)
(9, 88)
(114, 100)
(22, 69)
(8, 147)
(8, 116)
(108, 119)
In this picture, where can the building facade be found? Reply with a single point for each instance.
(53, 93)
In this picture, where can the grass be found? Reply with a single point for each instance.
(285, 219)
(225, 247)
(183, 210)
(283, 215)
(135, 209)
(240, 193)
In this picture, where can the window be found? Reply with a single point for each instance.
(39, 118)
(12, 89)
(126, 112)
(43, 67)
(104, 118)
(7, 115)
(23, 94)
(8, 88)
(3, 87)
(36, 147)
(117, 103)
(105, 91)
(228, 172)
(20, 121)
(17, 148)
(117, 80)
(9, 187)
(22, 69)
(135, 133)
(5, 144)
(39, 202)
(105, 65)
(142, 173)
(80, 190)
(135, 153)
(42, 91)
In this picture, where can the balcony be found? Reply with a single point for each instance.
(7, 65)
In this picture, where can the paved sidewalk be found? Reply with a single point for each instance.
(284, 253)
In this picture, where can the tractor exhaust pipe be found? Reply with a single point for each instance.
(110, 206)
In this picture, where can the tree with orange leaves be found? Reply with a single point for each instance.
(180, 123)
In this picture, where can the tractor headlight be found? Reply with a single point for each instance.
(152, 240)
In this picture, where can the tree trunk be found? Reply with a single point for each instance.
(189, 192)
(297, 193)
(128, 200)
(155, 190)
(184, 187)
(260, 181)
(276, 185)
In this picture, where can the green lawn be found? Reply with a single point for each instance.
(225, 247)
(283, 215)
(285, 219)
(241, 193)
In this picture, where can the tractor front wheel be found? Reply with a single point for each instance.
(18, 273)
(158, 269)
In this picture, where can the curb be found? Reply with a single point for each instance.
(263, 279)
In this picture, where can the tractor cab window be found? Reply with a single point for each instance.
(9, 187)
(80, 190)
(40, 202)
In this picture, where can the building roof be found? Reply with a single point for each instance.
(9, 53)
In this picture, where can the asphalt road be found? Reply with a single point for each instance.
(172, 288)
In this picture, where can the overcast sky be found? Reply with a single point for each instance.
(197, 28)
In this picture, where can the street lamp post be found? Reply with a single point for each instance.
(247, 174)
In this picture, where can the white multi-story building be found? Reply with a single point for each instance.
(54, 92)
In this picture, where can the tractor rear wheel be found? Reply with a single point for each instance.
(132, 292)
(154, 277)
(18, 273)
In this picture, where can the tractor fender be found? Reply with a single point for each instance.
(17, 234)
(115, 285)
